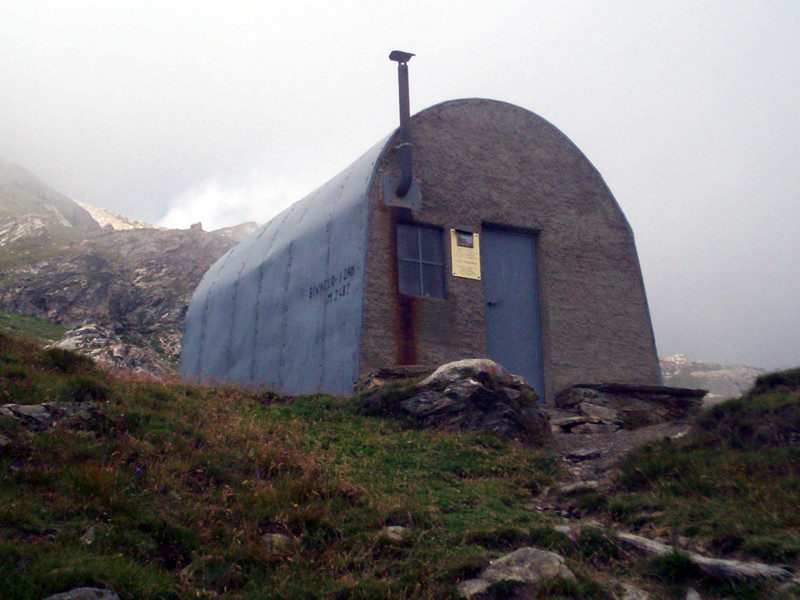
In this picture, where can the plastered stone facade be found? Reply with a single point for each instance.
(482, 162)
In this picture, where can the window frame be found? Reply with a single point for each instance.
(421, 261)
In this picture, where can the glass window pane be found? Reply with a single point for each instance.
(407, 242)
(431, 245)
(432, 281)
(408, 275)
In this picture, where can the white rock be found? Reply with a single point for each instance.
(395, 534)
(275, 542)
(527, 565)
(472, 587)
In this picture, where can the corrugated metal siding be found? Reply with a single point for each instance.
(283, 308)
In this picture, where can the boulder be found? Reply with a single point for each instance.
(528, 566)
(395, 534)
(481, 395)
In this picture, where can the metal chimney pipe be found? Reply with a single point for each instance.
(404, 149)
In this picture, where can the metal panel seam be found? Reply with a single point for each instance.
(331, 212)
(254, 351)
(203, 321)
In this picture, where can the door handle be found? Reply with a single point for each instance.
(495, 303)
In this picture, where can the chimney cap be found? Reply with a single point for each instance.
(400, 56)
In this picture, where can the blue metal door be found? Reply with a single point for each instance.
(513, 332)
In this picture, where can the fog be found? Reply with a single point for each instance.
(222, 113)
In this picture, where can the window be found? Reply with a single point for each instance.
(420, 261)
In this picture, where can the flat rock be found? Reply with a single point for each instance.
(592, 428)
(735, 569)
(578, 487)
(583, 454)
(41, 417)
(598, 411)
(633, 404)
(643, 544)
(567, 423)
(713, 567)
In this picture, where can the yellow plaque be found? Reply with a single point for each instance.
(465, 248)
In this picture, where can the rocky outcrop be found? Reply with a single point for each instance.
(135, 283)
(104, 346)
(600, 408)
(111, 220)
(127, 278)
(40, 417)
(481, 395)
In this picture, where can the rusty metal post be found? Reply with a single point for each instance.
(404, 149)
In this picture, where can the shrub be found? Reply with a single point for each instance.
(65, 361)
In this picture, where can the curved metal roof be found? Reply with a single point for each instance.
(283, 308)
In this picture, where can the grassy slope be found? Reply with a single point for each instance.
(732, 486)
(181, 483)
(31, 328)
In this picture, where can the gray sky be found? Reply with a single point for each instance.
(177, 112)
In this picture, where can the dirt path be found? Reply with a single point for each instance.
(593, 456)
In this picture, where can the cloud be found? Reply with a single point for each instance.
(220, 204)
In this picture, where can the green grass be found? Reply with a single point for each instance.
(179, 485)
(732, 485)
(32, 328)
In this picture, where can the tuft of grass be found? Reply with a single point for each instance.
(778, 381)
(65, 361)
(674, 567)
